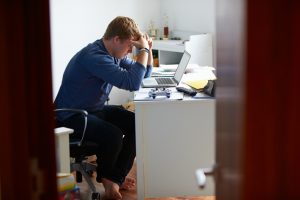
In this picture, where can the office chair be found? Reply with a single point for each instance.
(79, 150)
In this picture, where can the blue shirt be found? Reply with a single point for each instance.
(90, 76)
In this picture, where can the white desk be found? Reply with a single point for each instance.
(173, 139)
(62, 149)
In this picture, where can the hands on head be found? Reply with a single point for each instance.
(143, 42)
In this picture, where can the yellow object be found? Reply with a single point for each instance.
(155, 62)
(65, 182)
(197, 84)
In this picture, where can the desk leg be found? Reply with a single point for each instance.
(139, 153)
(63, 153)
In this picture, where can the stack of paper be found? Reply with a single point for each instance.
(195, 75)
(198, 76)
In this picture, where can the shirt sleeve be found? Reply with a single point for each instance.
(126, 63)
(148, 71)
(126, 74)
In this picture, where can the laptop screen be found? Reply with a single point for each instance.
(181, 66)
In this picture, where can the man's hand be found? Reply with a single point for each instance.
(142, 42)
(149, 40)
(150, 56)
(145, 58)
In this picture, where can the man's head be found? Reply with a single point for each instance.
(124, 27)
(120, 32)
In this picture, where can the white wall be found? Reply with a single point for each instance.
(75, 23)
(195, 16)
(190, 15)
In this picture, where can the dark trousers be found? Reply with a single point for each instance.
(113, 128)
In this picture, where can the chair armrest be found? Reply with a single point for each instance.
(79, 111)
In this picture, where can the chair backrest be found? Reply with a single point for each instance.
(78, 111)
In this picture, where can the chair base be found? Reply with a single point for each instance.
(95, 196)
(83, 169)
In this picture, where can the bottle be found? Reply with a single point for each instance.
(152, 30)
(166, 27)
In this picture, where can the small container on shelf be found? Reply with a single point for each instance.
(166, 28)
(155, 58)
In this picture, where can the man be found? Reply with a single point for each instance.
(87, 82)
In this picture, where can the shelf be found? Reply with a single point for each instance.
(169, 45)
(199, 46)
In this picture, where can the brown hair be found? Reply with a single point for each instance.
(124, 27)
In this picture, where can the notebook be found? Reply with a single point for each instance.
(155, 82)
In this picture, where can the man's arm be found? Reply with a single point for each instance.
(150, 56)
(144, 50)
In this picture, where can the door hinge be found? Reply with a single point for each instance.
(37, 179)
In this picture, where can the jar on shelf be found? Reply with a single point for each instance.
(166, 27)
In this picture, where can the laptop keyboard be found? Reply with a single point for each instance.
(164, 80)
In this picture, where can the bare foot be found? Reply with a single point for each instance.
(128, 184)
(111, 190)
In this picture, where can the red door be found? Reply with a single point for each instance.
(258, 69)
(27, 140)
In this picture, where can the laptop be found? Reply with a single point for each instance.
(156, 82)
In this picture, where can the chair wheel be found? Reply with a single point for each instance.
(95, 196)
(78, 177)
(90, 173)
